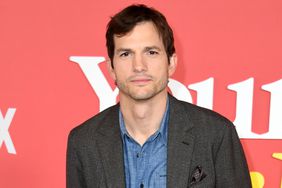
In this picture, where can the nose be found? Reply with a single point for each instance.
(139, 63)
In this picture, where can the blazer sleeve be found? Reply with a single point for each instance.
(230, 165)
(74, 172)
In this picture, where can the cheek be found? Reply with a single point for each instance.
(121, 73)
(160, 69)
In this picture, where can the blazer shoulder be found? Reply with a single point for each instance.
(90, 126)
(208, 115)
(206, 126)
(204, 117)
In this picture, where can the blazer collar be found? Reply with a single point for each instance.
(110, 148)
(180, 145)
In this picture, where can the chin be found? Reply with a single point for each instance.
(141, 98)
(144, 96)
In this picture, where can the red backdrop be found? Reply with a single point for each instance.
(44, 93)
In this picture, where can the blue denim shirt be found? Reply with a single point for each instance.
(145, 166)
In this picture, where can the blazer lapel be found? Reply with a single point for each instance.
(180, 146)
(110, 147)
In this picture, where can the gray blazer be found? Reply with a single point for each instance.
(204, 151)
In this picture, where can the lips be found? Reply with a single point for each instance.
(140, 79)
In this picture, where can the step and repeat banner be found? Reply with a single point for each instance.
(53, 77)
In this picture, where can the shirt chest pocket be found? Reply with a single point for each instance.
(160, 178)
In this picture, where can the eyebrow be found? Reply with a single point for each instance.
(123, 50)
(147, 48)
(152, 48)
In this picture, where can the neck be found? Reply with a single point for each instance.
(143, 118)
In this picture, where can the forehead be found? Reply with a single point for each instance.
(144, 33)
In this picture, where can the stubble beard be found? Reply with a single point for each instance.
(142, 94)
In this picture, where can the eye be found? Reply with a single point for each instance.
(152, 52)
(124, 54)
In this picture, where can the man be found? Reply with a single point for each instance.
(150, 139)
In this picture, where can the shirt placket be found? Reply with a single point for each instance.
(141, 165)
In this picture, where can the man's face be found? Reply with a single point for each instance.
(141, 67)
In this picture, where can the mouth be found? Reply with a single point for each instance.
(141, 80)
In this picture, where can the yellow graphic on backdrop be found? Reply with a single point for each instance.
(279, 157)
(258, 179)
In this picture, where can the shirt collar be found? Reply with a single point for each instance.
(162, 130)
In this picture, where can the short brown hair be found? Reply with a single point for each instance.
(125, 20)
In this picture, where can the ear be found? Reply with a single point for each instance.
(111, 69)
(172, 64)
